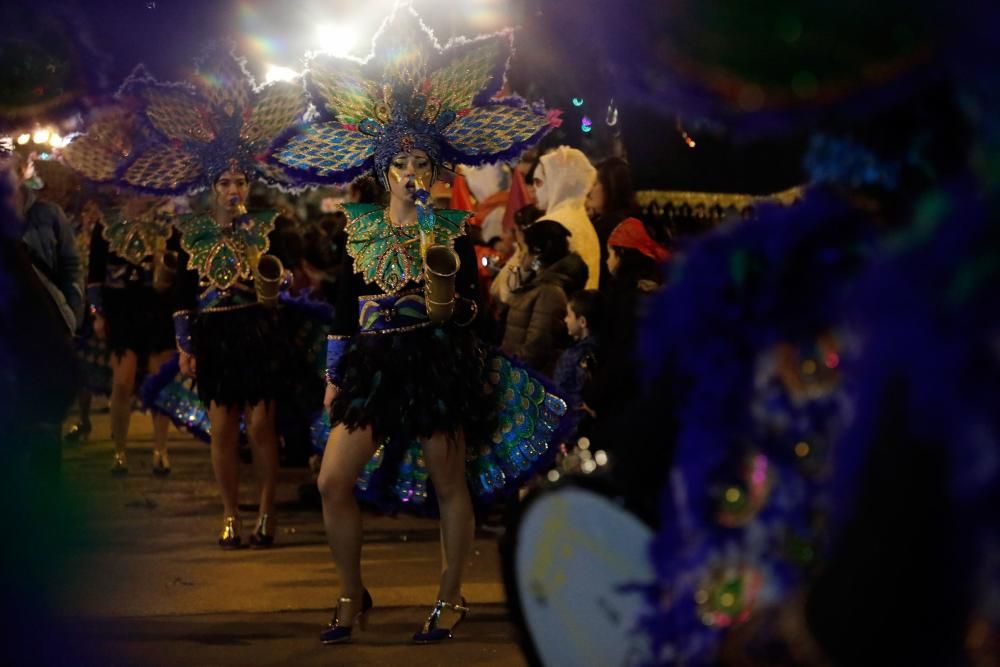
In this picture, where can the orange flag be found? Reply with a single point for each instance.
(461, 198)
(517, 198)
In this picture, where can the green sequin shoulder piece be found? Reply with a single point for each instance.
(390, 256)
(224, 254)
(135, 239)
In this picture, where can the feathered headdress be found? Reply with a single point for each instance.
(114, 132)
(411, 93)
(186, 134)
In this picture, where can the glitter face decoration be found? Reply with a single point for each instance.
(410, 171)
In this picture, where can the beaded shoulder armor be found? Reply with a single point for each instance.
(134, 239)
(388, 255)
(223, 254)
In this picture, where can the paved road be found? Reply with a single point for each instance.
(155, 589)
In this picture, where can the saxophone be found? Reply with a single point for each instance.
(440, 263)
(267, 277)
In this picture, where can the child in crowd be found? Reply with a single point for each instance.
(576, 366)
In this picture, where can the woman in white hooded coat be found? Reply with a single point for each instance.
(562, 180)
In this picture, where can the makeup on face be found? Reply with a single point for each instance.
(232, 189)
(409, 172)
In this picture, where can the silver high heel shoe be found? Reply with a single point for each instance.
(229, 538)
(263, 534)
(435, 630)
(119, 466)
(336, 633)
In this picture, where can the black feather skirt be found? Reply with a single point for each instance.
(413, 384)
(240, 356)
(138, 319)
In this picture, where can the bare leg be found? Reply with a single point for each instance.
(445, 457)
(123, 368)
(161, 423)
(225, 455)
(264, 441)
(345, 456)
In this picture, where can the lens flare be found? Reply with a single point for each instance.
(279, 73)
(336, 39)
(486, 15)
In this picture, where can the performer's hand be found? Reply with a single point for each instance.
(187, 363)
(330, 395)
(100, 327)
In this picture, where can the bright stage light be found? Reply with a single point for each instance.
(41, 136)
(279, 73)
(337, 40)
(23, 139)
(56, 141)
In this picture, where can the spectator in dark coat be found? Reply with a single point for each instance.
(51, 246)
(534, 328)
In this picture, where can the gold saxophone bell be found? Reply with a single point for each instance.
(267, 279)
(165, 271)
(440, 268)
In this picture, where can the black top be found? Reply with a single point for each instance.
(353, 286)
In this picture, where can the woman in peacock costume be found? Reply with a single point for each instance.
(215, 133)
(130, 291)
(422, 412)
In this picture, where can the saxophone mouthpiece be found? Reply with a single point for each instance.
(236, 206)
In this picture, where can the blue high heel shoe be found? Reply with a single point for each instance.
(433, 631)
(339, 634)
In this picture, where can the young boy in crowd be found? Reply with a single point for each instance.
(576, 366)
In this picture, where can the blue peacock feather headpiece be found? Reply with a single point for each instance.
(411, 93)
(176, 138)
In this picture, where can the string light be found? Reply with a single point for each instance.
(578, 101)
(586, 124)
(688, 139)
